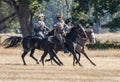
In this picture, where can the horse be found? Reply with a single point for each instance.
(81, 44)
(30, 43)
(70, 39)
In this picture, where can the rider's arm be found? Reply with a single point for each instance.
(47, 28)
(55, 32)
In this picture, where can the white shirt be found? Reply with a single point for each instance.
(41, 24)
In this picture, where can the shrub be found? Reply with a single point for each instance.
(105, 45)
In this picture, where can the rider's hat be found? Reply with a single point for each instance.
(59, 16)
(41, 15)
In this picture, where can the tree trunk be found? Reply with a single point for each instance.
(24, 15)
(25, 19)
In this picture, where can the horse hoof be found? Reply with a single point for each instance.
(25, 64)
(73, 64)
(81, 65)
(43, 64)
(40, 60)
(46, 60)
(59, 64)
(62, 64)
(94, 64)
(37, 62)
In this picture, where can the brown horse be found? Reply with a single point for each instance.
(80, 48)
(81, 44)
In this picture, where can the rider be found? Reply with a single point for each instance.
(59, 31)
(41, 27)
(69, 25)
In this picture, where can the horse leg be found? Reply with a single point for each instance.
(88, 58)
(75, 58)
(57, 58)
(70, 54)
(52, 58)
(52, 54)
(43, 57)
(47, 60)
(23, 56)
(73, 61)
(31, 55)
(51, 62)
(79, 56)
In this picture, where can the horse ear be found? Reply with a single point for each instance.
(80, 25)
(90, 29)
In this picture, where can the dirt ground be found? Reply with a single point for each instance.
(107, 69)
(13, 70)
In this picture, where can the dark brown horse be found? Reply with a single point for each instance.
(80, 48)
(48, 44)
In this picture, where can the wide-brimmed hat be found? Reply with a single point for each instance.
(59, 16)
(41, 15)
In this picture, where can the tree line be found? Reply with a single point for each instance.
(22, 13)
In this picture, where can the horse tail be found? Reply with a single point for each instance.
(12, 41)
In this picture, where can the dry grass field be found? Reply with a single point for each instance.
(109, 36)
(107, 69)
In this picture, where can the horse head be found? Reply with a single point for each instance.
(91, 36)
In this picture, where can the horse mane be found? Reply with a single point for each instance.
(88, 31)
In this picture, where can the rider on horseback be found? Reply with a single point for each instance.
(59, 31)
(41, 27)
(69, 25)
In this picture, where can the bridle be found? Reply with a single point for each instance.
(80, 34)
(92, 36)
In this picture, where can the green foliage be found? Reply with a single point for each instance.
(105, 45)
(80, 11)
(104, 6)
(113, 24)
(36, 6)
(33, 5)
(85, 12)
(6, 11)
(85, 9)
